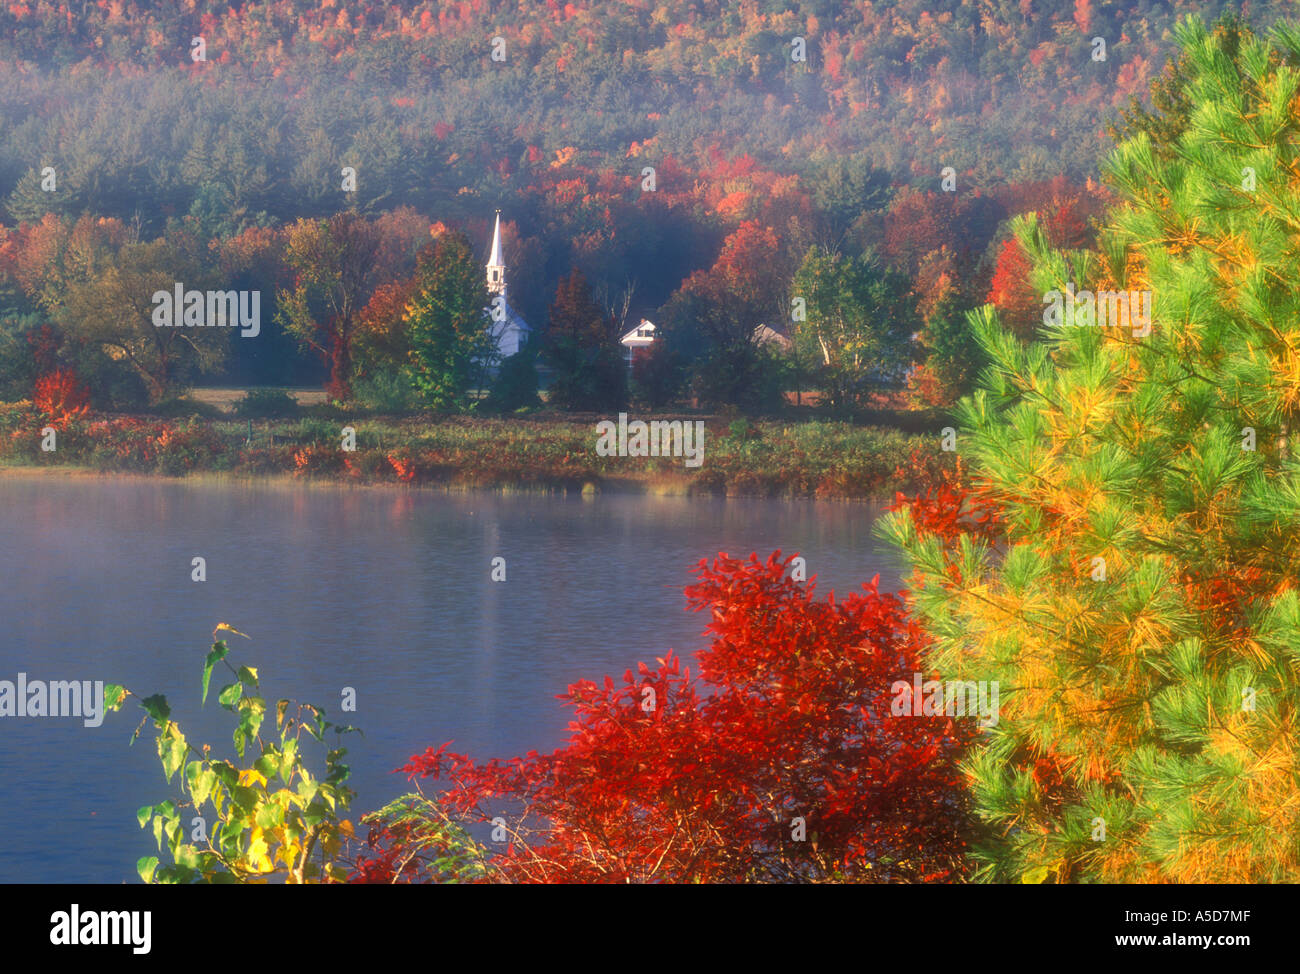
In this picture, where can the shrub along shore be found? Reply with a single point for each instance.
(742, 458)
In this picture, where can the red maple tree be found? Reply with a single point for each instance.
(1019, 305)
(782, 761)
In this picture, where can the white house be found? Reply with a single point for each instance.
(505, 325)
(640, 337)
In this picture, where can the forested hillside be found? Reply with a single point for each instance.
(773, 131)
(999, 90)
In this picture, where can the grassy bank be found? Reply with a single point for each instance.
(741, 458)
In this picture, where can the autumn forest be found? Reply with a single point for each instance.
(988, 306)
(759, 160)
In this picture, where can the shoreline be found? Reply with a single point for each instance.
(816, 460)
(649, 486)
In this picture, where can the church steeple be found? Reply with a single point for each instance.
(496, 267)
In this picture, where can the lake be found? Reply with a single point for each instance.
(385, 591)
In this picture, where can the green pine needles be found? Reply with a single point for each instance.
(1141, 607)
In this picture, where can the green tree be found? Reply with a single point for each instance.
(29, 202)
(953, 353)
(582, 349)
(704, 328)
(515, 386)
(657, 374)
(112, 309)
(843, 189)
(859, 323)
(452, 350)
(1140, 606)
(1170, 96)
(335, 267)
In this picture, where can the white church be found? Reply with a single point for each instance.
(505, 325)
(509, 330)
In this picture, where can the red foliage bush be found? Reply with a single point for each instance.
(403, 466)
(61, 395)
(316, 458)
(949, 505)
(670, 778)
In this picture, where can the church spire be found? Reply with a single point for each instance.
(496, 267)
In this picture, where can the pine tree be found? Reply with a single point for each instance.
(1141, 607)
(954, 358)
(1170, 93)
(582, 349)
(451, 347)
(515, 387)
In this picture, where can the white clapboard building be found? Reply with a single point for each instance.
(507, 328)
(637, 341)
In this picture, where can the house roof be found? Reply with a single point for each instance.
(512, 319)
(642, 334)
(763, 335)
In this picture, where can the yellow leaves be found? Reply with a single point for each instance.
(1252, 651)
(1135, 272)
(251, 776)
(1269, 770)
(332, 839)
(257, 859)
(1085, 410)
(288, 853)
(227, 627)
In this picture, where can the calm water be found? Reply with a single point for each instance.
(387, 592)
